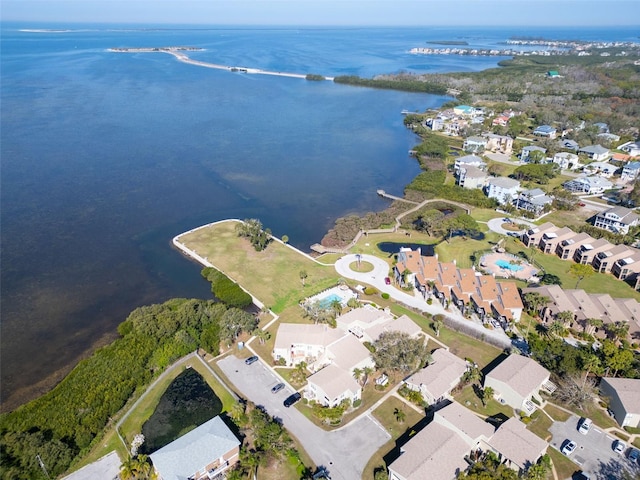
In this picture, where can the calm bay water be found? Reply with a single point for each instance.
(106, 157)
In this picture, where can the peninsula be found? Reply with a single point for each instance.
(178, 52)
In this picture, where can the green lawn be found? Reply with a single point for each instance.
(563, 218)
(467, 347)
(540, 424)
(386, 416)
(272, 275)
(470, 400)
(564, 467)
(461, 249)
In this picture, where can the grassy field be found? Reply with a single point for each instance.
(540, 424)
(565, 468)
(272, 275)
(469, 399)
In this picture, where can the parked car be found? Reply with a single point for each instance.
(584, 425)
(387, 280)
(619, 446)
(569, 447)
(634, 454)
(581, 476)
(277, 387)
(291, 399)
(250, 360)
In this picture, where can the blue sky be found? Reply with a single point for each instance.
(330, 12)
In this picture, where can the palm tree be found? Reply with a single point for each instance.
(488, 393)
(617, 330)
(557, 328)
(263, 335)
(566, 317)
(366, 371)
(591, 363)
(437, 325)
(593, 322)
(535, 301)
(400, 415)
(472, 375)
(357, 374)
(336, 306)
(303, 276)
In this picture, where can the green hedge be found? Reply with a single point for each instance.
(225, 289)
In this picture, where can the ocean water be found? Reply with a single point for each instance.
(107, 156)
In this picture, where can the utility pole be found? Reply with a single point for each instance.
(44, 469)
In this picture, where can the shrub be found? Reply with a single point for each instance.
(385, 295)
(370, 291)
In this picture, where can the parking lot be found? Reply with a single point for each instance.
(344, 452)
(594, 453)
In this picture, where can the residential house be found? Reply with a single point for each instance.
(617, 219)
(624, 399)
(437, 379)
(567, 160)
(516, 446)
(503, 189)
(529, 149)
(632, 148)
(602, 127)
(566, 248)
(454, 127)
(401, 324)
(438, 451)
(358, 320)
(534, 200)
(501, 120)
(201, 454)
(517, 381)
(532, 237)
(498, 300)
(590, 185)
(603, 262)
(587, 251)
(499, 143)
(474, 144)
(608, 138)
(550, 240)
(471, 177)
(630, 171)
(296, 343)
(546, 131)
(412, 268)
(604, 169)
(348, 353)
(595, 152)
(331, 386)
(435, 124)
(569, 144)
(469, 161)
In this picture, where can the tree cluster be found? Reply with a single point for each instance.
(225, 289)
(431, 185)
(536, 172)
(64, 423)
(251, 229)
(399, 352)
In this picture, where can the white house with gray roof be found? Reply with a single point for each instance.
(474, 144)
(471, 177)
(307, 343)
(516, 446)
(604, 169)
(567, 160)
(617, 219)
(624, 397)
(469, 161)
(595, 152)
(588, 184)
(518, 380)
(331, 386)
(503, 189)
(437, 379)
(630, 148)
(630, 172)
(534, 200)
(203, 453)
(529, 149)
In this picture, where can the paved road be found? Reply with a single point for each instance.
(344, 452)
(376, 278)
(495, 224)
(594, 454)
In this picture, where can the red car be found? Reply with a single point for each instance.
(387, 280)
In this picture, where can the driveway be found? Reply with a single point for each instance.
(414, 299)
(495, 224)
(344, 452)
(594, 454)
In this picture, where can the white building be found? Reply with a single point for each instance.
(604, 169)
(503, 189)
(631, 148)
(595, 152)
(567, 160)
(469, 161)
(331, 385)
(590, 185)
(471, 177)
(617, 219)
(529, 149)
(630, 171)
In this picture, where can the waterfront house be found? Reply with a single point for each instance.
(567, 160)
(437, 379)
(499, 143)
(535, 201)
(503, 189)
(588, 184)
(517, 380)
(206, 452)
(630, 172)
(617, 219)
(529, 149)
(624, 399)
(474, 144)
(546, 131)
(469, 161)
(595, 152)
(471, 177)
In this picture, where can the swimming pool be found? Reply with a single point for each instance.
(325, 299)
(509, 266)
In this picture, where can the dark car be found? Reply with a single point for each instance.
(277, 387)
(291, 399)
(251, 360)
